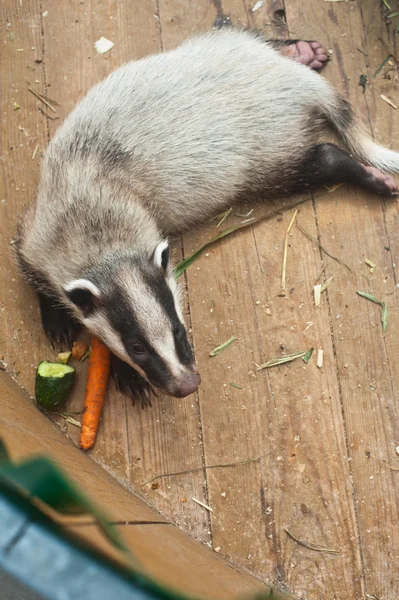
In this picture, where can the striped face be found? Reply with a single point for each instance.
(135, 310)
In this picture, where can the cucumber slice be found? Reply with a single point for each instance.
(63, 357)
(53, 384)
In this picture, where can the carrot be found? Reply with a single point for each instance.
(79, 349)
(97, 380)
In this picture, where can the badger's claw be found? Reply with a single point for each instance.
(59, 326)
(129, 382)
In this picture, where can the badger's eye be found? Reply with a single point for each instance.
(138, 348)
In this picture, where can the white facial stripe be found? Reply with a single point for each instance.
(153, 320)
(84, 284)
(158, 252)
(176, 293)
(100, 326)
(167, 351)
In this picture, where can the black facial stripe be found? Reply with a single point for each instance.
(164, 296)
(183, 347)
(83, 299)
(123, 319)
(165, 258)
(156, 370)
(162, 293)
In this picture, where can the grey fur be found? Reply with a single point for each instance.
(165, 143)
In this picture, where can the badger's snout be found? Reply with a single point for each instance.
(188, 385)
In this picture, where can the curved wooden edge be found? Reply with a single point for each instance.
(165, 552)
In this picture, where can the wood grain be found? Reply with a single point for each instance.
(294, 447)
(354, 226)
(303, 463)
(134, 444)
(378, 41)
(23, 129)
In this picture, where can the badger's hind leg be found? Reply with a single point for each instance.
(59, 326)
(311, 54)
(327, 164)
(129, 382)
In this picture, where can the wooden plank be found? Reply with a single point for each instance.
(179, 19)
(291, 417)
(269, 494)
(23, 135)
(135, 445)
(268, 17)
(314, 493)
(354, 226)
(378, 40)
(26, 431)
(297, 481)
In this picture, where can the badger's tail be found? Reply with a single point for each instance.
(350, 129)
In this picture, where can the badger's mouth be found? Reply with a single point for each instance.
(176, 387)
(186, 383)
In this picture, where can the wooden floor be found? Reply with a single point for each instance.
(296, 447)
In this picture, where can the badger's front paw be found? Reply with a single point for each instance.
(129, 382)
(59, 326)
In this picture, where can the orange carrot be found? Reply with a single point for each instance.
(79, 349)
(97, 380)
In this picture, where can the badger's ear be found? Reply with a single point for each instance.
(83, 293)
(161, 255)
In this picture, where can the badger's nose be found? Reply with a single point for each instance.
(188, 385)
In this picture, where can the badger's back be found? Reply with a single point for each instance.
(190, 129)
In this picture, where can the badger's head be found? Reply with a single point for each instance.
(131, 302)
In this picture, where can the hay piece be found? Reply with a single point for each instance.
(223, 346)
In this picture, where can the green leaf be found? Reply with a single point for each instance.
(186, 262)
(384, 317)
(369, 297)
(285, 359)
(326, 284)
(370, 264)
(222, 347)
(384, 312)
(235, 385)
(382, 65)
(307, 356)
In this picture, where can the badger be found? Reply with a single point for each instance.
(164, 144)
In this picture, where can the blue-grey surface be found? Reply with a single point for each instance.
(11, 523)
(51, 566)
(11, 589)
